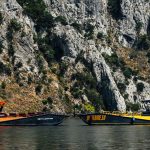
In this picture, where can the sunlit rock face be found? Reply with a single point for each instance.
(92, 17)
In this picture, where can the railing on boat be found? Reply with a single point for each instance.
(118, 113)
(20, 114)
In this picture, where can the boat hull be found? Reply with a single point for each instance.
(37, 120)
(109, 119)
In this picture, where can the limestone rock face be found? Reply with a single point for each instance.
(92, 17)
(133, 12)
(23, 43)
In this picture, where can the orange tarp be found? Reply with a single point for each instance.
(2, 103)
(10, 118)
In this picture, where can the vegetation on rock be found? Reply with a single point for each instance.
(140, 87)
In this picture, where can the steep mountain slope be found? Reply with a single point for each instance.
(63, 54)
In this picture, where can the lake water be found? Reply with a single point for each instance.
(73, 134)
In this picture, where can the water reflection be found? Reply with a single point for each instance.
(74, 135)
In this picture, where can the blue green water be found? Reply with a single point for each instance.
(75, 135)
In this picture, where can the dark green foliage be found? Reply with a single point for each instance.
(89, 29)
(86, 84)
(88, 65)
(148, 56)
(76, 92)
(61, 19)
(114, 61)
(100, 35)
(30, 79)
(142, 42)
(140, 87)
(50, 46)
(9, 35)
(3, 85)
(49, 100)
(40, 62)
(48, 52)
(133, 54)
(122, 87)
(126, 96)
(38, 89)
(135, 79)
(85, 79)
(135, 98)
(133, 107)
(11, 49)
(45, 21)
(58, 45)
(138, 26)
(18, 65)
(14, 25)
(95, 99)
(77, 26)
(128, 72)
(44, 102)
(1, 18)
(1, 46)
(4, 69)
(114, 8)
(63, 68)
(45, 48)
(148, 27)
(36, 9)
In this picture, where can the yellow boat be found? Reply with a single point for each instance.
(116, 118)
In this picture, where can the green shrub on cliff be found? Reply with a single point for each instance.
(14, 25)
(95, 98)
(89, 108)
(36, 9)
(1, 46)
(132, 107)
(4, 69)
(127, 72)
(62, 20)
(77, 26)
(122, 87)
(142, 42)
(140, 87)
(89, 29)
(138, 26)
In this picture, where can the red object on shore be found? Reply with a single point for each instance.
(2, 103)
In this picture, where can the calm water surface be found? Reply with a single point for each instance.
(75, 135)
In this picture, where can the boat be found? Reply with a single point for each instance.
(116, 118)
(30, 119)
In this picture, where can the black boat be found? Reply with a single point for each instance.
(30, 119)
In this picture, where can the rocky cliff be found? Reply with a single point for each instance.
(63, 54)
